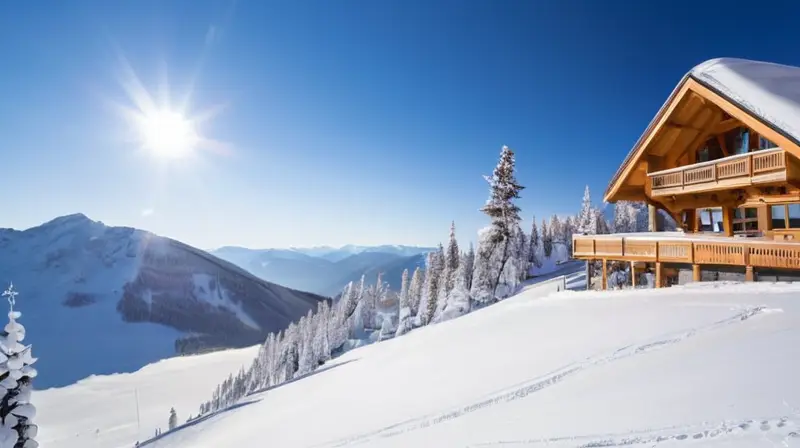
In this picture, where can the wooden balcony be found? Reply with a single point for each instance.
(689, 249)
(772, 166)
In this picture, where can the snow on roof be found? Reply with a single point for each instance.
(768, 91)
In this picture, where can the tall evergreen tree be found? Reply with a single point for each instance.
(452, 259)
(535, 242)
(587, 219)
(469, 266)
(173, 419)
(404, 317)
(432, 283)
(16, 410)
(415, 290)
(502, 210)
(547, 239)
(569, 229)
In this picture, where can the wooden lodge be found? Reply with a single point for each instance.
(722, 157)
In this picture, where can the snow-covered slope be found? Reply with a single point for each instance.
(102, 411)
(707, 364)
(99, 299)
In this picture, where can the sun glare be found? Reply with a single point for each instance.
(168, 134)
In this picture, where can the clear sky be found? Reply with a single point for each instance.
(333, 122)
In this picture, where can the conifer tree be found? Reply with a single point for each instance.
(452, 259)
(173, 419)
(587, 219)
(535, 243)
(433, 276)
(469, 266)
(547, 239)
(503, 212)
(404, 318)
(16, 410)
(415, 290)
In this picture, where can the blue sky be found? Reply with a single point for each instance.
(356, 121)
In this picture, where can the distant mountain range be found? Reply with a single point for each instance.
(326, 270)
(97, 299)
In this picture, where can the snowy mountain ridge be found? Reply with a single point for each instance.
(136, 296)
(332, 268)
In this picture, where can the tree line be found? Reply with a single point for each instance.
(453, 282)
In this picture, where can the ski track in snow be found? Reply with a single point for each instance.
(780, 426)
(524, 389)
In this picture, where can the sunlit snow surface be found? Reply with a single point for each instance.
(769, 91)
(707, 364)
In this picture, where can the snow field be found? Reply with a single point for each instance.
(709, 363)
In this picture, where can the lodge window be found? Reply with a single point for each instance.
(765, 144)
(745, 221)
(786, 216)
(738, 141)
(710, 151)
(710, 219)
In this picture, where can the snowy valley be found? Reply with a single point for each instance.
(326, 270)
(101, 300)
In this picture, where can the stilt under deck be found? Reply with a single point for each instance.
(659, 248)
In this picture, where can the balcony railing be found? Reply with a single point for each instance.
(726, 251)
(768, 166)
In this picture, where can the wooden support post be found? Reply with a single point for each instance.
(695, 272)
(691, 220)
(659, 275)
(605, 275)
(748, 274)
(588, 275)
(633, 274)
(727, 220)
(652, 222)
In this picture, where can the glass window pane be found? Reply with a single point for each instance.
(751, 213)
(716, 218)
(779, 216)
(794, 216)
(765, 144)
(738, 213)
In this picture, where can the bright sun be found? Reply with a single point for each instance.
(168, 134)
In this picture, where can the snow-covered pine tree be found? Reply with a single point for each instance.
(451, 260)
(469, 266)
(322, 341)
(305, 361)
(556, 230)
(504, 213)
(482, 292)
(535, 242)
(587, 218)
(404, 317)
(547, 239)
(173, 419)
(433, 275)
(16, 410)
(415, 290)
(602, 227)
(458, 301)
(569, 229)
(622, 217)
